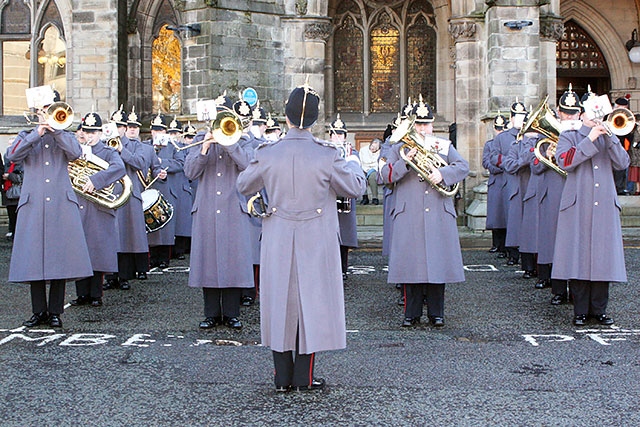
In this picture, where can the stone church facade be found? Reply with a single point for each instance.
(469, 59)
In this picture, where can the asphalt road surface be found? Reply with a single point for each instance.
(504, 357)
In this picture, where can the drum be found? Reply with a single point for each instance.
(157, 211)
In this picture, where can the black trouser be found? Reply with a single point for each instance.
(513, 253)
(414, 294)
(56, 296)
(293, 368)
(159, 254)
(129, 263)
(620, 178)
(589, 297)
(253, 292)
(181, 247)
(558, 287)
(344, 258)
(498, 237)
(528, 261)
(90, 286)
(12, 213)
(221, 302)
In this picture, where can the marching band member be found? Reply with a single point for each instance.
(496, 212)
(133, 255)
(50, 243)
(272, 132)
(99, 222)
(500, 147)
(220, 261)
(301, 296)
(588, 249)
(425, 249)
(180, 186)
(347, 207)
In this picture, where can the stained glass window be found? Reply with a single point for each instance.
(385, 66)
(421, 61)
(166, 73)
(347, 53)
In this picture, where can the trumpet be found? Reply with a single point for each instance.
(226, 130)
(114, 143)
(58, 115)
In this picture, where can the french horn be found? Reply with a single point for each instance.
(425, 161)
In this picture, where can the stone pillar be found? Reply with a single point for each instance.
(551, 29)
(94, 58)
(305, 38)
(513, 52)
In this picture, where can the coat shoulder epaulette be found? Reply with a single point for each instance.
(325, 143)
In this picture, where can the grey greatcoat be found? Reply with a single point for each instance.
(518, 173)
(529, 225)
(496, 218)
(301, 291)
(173, 161)
(49, 240)
(99, 222)
(425, 247)
(500, 147)
(589, 238)
(256, 222)
(349, 223)
(132, 232)
(549, 194)
(388, 199)
(221, 241)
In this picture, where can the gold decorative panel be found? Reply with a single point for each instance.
(385, 66)
(166, 74)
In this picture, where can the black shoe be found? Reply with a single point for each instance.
(559, 299)
(376, 201)
(365, 200)
(543, 284)
(111, 284)
(141, 275)
(81, 300)
(527, 275)
(210, 322)
(437, 321)
(493, 249)
(283, 388)
(247, 301)
(410, 321)
(580, 320)
(398, 285)
(401, 301)
(96, 302)
(232, 322)
(181, 256)
(37, 319)
(344, 276)
(316, 384)
(512, 261)
(603, 319)
(54, 321)
(124, 285)
(502, 255)
(163, 264)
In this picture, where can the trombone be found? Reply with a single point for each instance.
(226, 130)
(58, 115)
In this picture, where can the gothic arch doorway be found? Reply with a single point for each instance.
(580, 62)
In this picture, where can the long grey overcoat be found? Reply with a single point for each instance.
(348, 222)
(300, 274)
(132, 232)
(256, 222)
(221, 241)
(589, 238)
(529, 225)
(518, 173)
(49, 239)
(496, 218)
(425, 247)
(173, 161)
(549, 194)
(99, 222)
(388, 200)
(500, 147)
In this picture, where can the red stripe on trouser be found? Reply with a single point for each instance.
(313, 355)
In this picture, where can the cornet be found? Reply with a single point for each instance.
(58, 115)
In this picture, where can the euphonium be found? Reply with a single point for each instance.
(542, 120)
(83, 168)
(424, 162)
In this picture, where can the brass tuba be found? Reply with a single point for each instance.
(84, 167)
(542, 121)
(424, 162)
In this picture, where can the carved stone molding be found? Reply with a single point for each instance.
(463, 30)
(551, 29)
(320, 31)
(301, 7)
(132, 26)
